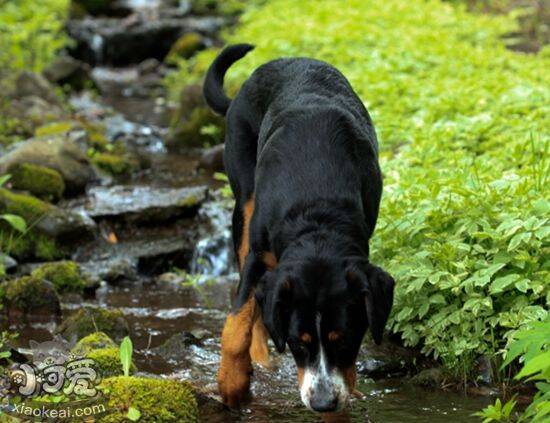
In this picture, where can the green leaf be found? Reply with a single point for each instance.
(133, 414)
(16, 222)
(4, 179)
(126, 351)
(534, 365)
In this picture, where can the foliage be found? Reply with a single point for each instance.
(532, 346)
(126, 351)
(463, 130)
(31, 33)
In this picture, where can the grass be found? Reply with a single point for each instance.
(464, 133)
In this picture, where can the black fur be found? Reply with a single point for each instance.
(301, 142)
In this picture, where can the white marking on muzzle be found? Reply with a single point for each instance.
(320, 376)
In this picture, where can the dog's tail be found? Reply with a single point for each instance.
(213, 84)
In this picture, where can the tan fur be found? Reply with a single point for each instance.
(235, 366)
(244, 248)
(259, 351)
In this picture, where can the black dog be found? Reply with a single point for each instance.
(301, 155)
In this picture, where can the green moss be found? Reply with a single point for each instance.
(94, 341)
(31, 244)
(26, 206)
(43, 182)
(186, 46)
(157, 400)
(65, 276)
(88, 320)
(29, 293)
(114, 164)
(107, 361)
(196, 131)
(56, 128)
(45, 248)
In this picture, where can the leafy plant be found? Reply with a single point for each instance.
(126, 352)
(532, 346)
(464, 137)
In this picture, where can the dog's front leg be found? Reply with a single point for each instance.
(236, 367)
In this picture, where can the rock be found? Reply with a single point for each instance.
(122, 42)
(116, 164)
(88, 320)
(32, 112)
(65, 70)
(51, 227)
(158, 400)
(29, 296)
(60, 153)
(64, 275)
(190, 119)
(95, 7)
(429, 378)
(94, 341)
(212, 159)
(42, 182)
(203, 128)
(388, 359)
(110, 269)
(177, 346)
(186, 46)
(152, 255)
(148, 66)
(32, 84)
(7, 262)
(143, 203)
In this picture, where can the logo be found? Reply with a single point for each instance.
(56, 384)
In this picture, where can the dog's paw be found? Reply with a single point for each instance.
(234, 385)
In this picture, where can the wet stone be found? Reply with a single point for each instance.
(143, 203)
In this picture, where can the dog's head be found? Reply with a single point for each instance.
(322, 309)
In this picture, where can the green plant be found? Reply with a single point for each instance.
(531, 345)
(126, 351)
(14, 221)
(31, 33)
(464, 138)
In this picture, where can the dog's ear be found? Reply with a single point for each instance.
(273, 295)
(376, 286)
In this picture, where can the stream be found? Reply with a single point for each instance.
(147, 243)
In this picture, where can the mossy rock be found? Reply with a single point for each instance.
(65, 276)
(186, 46)
(26, 206)
(55, 128)
(94, 341)
(157, 400)
(115, 164)
(88, 320)
(29, 295)
(202, 128)
(107, 362)
(42, 182)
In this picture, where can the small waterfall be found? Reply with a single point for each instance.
(213, 254)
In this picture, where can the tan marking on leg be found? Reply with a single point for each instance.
(305, 337)
(301, 372)
(270, 260)
(244, 248)
(259, 351)
(333, 336)
(350, 377)
(235, 366)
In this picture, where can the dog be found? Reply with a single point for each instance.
(301, 155)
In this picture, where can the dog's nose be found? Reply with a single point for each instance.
(323, 403)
